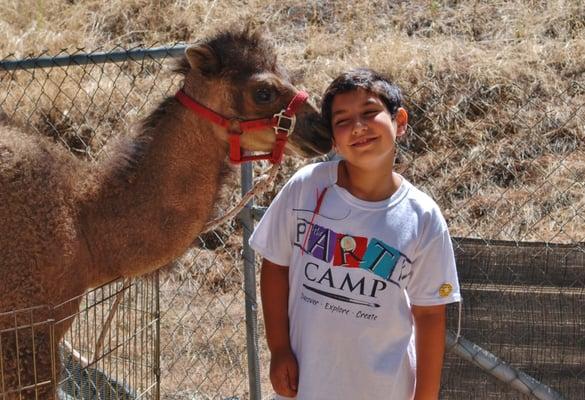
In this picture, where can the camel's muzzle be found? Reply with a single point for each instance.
(283, 123)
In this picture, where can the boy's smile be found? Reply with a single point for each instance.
(364, 141)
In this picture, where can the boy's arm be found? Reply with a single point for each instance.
(274, 293)
(429, 325)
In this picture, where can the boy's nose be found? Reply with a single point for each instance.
(358, 127)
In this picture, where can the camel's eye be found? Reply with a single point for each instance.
(264, 95)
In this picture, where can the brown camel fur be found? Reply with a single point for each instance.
(66, 226)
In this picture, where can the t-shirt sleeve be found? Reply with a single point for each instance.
(272, 237)
(434, 275)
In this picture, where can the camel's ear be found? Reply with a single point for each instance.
(203, 58)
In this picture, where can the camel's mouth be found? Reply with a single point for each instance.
(304, 149)
(311, 137)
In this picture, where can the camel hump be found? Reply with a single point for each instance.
(26, 154)
(36, 215)
(22, 157)
(35, 188)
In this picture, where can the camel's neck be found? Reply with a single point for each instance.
(144, 220)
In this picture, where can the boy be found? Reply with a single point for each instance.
(358, 264)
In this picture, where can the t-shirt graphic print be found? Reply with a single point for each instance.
(341, 250)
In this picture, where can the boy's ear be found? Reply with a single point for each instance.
(401, 121)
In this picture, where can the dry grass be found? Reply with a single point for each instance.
(495, 91)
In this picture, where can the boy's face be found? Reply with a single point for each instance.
(364, 132)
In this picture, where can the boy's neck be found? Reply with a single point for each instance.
(368, 185)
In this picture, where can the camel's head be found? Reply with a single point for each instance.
(236, 75)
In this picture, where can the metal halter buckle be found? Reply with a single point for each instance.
(290, 121)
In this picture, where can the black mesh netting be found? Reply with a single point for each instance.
(525, 304)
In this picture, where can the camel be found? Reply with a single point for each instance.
(67, 226)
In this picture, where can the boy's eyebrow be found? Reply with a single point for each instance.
(365, 103)
(370, 101)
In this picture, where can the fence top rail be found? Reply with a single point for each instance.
(512, 243)
(136, 54)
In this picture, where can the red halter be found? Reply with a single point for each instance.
(283, 123)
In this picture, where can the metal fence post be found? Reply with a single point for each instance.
(247, 221)
(157, 334)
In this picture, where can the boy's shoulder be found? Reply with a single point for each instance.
(316, 172)
(418, 196)
(424, 205)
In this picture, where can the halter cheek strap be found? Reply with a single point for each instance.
(282, 122)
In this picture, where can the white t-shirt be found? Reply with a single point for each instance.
(354, 269)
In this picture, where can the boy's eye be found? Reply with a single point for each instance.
(341, 122)
(371, 113)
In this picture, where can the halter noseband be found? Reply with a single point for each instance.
(283, 123)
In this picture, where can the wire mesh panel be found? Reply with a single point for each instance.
(28, 361)
(109, 351)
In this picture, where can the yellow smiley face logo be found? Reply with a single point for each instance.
(445, 289)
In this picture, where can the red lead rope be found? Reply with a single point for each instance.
(283, 123)
(315, 213)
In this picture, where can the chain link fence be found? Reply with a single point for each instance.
(501, 179)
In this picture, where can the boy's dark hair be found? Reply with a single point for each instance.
(366, 79)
